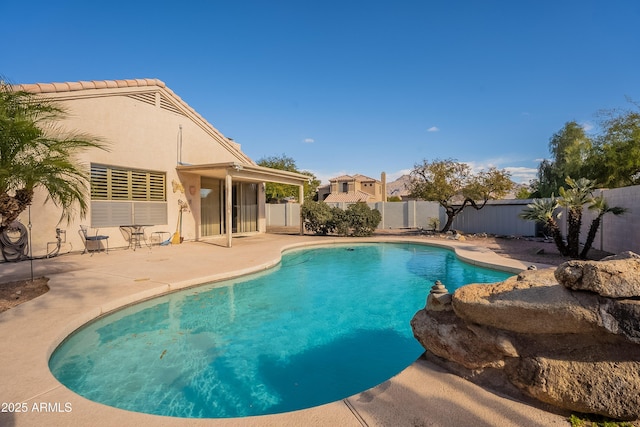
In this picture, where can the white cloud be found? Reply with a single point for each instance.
(587, 126)
(521, 174)
(309, 140)
(485, 164)
(433, 129)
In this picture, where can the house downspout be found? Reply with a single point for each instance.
(179, 146)
(301, 200)
(228, 185)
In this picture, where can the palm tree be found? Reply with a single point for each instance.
(601, 207)
(574, 199)
(36, 153)
(542, 210)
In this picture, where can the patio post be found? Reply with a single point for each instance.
(301, 200)
(228, 187)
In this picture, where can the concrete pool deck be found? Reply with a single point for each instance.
(82, 287)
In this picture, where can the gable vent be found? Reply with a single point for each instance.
(147, 98)
(165, 104)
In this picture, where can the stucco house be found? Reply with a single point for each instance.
(353, 188)
(166, 167)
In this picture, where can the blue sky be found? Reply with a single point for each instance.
(352, 86)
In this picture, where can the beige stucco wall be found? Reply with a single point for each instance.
(141, 136)
(373, 188)
(370, 187)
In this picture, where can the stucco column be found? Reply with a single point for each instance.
(228, 188)
(301, 200)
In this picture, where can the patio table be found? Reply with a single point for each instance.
(135, 233)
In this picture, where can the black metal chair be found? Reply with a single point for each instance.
(96, 238)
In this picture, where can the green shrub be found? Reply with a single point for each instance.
(357, 220)
(317, 217)
(362, 219)
(434, 223)
(340, 221)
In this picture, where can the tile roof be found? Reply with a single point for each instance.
(352, 197)
(356, 177)
(61, 87)
(93, 84)
(342, 178)
(359, 177)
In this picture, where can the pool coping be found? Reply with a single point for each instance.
(37, 327)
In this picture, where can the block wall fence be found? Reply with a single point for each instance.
(500, 217)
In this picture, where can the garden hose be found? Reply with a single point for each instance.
(14, 249)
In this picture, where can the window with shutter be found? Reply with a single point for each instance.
(127, 196)
(111, 183)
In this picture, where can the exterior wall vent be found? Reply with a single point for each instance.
(146, 97)
(165, 104)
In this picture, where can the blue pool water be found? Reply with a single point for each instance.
(324, 324)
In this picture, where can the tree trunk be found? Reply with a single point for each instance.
(9, 210)
(557, 237)
(450, 216)
(573, 232)
(12, 206)
(593, 229)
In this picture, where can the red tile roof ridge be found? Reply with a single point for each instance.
(54, 87)
(341, 178)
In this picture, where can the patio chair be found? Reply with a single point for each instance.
(95, 238)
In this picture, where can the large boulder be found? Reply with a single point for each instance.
(471, 346)
(615, 277)
(577, 349)
(522, 304)
(606, 387)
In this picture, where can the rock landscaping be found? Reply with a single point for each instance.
(566, 336)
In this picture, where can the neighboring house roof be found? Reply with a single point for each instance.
(142, 90)
(342, 178)
(356, 177)
(353, 197)
(364, 178)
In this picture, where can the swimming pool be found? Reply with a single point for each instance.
(324, 324)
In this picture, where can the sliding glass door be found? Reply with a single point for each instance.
(244, 207)
(248, 209)
(211, 207)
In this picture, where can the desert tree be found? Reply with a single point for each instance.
(454, 186)
(569, 147)
(276, 192)
(615, 159)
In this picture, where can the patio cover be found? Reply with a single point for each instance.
(231, 171)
